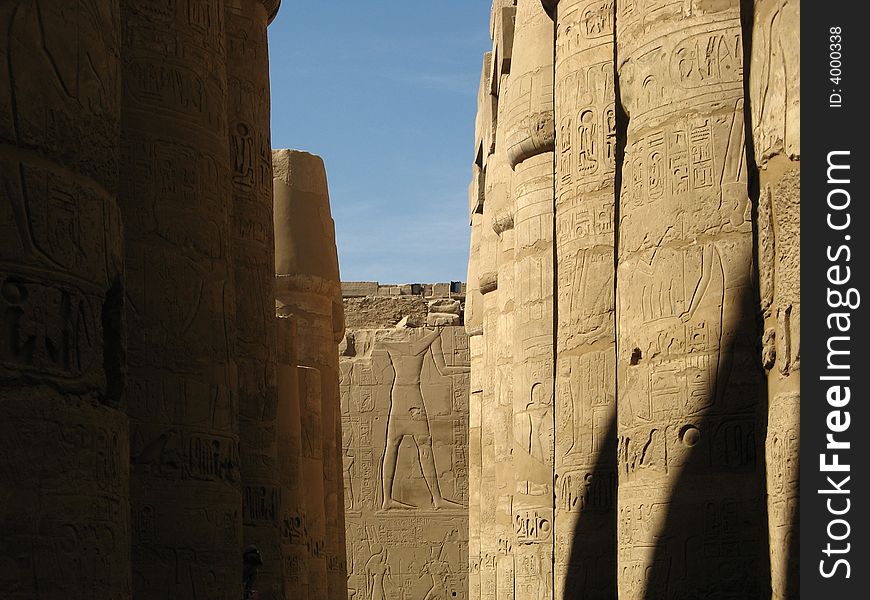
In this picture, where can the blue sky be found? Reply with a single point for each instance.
(386, 93)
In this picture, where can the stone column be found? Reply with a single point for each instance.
(64, 521)
(489, 435)
(488, 284)
(308, 287)
(526, 113)
(252, 248)
(311, 405)
(688, 381)
(498, 210)
(774, 92)
(474, 329)
(500, 202)
(585, 526)
(291, 518)
(182, 386)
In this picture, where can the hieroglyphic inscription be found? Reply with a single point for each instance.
(585, 403)
(527, 103)
(175, 198)
(404, 400)
(687, 387)
(533, 403)
(252, 252)
(64, 443)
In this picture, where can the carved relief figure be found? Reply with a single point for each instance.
(533, 427)
(440, 571)
(408, 416)
(377, 573)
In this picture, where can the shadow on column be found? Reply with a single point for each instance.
(714, 543)
(591, 569)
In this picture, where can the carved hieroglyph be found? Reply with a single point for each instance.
(292, 508)
(252, 247)
(182, 387)
(64, 520)
(475, 417)
(474, 329)
(315, 493)
(689, 385)
(404, 398)
(774, 86)
(308, 287)
(497, 399)
(491, 506)
(533, 414)
(585, 384)
(529, 140)
(650, 154)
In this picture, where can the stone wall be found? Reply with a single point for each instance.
(616, 185)
(404, 404)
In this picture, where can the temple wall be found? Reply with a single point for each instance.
(404, 410)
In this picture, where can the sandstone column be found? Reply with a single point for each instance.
(64, 475)
(688, 383)
(474, 329)
(500, 205)
(774, 88)
(252, 249)
(500, 345)
(485, 311)
(500, 210)
(314, 482)
(294, 491)
(182, 387)
(585, 526)
(526, 113)
(308, 287)
(489, 525)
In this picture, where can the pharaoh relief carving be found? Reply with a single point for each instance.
(404, 402)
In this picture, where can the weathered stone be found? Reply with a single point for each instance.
(253, 253)
(445, 305)
(64, 444)
(175, 200)
(308, 287)
(474, 299)
(356, 289)
(666, 125)
(774, 87)
(406, 477)
(374, 312)
(441, 319)
(528, 102)
(484, 128)
(442, 290)
(585, 524)
(533, 448)
(293, 511)
(315, 481)
(687, 375)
